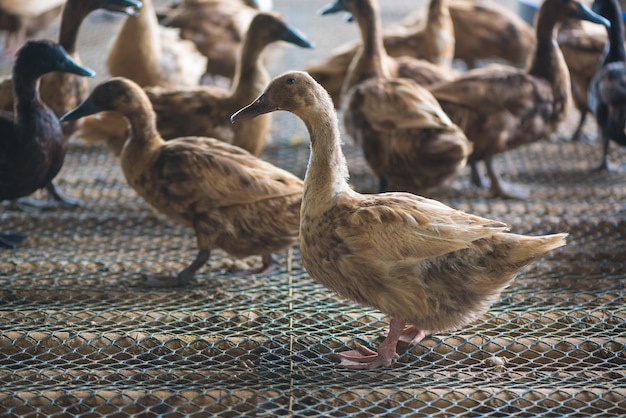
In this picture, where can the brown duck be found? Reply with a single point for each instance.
(417, 260)
(232, 199)
(407, 139)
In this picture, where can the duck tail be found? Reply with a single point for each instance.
(531, 248)
(108, 127)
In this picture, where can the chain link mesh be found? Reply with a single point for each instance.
(80, 336)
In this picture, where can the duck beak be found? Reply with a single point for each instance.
(86, 108)
(68, 65)
(585, 13)
(259, 107)
(330, 8)
(128, 7)
(293, 36)
(335, 7)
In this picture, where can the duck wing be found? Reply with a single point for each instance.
(402, 226)
(219, 174)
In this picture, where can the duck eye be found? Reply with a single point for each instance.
(291, 81)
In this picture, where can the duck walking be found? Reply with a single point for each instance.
(417, 260)
(232, 199)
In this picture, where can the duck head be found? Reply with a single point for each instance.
(37, 58)
(339, 6)
(294, 91)
(560, 10)
(272, 27)
(117, 94)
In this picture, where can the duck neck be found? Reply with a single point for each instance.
(251, 77)
(143, 129)
(138, 41)
(327, 169)
(372, 59)
(616, 52)
(548, 62)
(438, 13)
(71, 20)
(25, 91)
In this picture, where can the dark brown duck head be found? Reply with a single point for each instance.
(37, 58)
(270, 27)
(117, 94)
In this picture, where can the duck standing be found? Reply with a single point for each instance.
(232, 199)
(502, 107)
(417, 260)
(607, 90)
(32, 147)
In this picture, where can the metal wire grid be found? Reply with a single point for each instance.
(80, 336)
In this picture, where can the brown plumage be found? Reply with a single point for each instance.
(407, 139)
(486, 30)
(217, 27)
(205, 110)
(501, 107)
(232, 199)
(152, 55)
(432, 43)
(582, 45)
(32, 147)
(417, 260)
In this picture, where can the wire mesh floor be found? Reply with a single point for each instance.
(80, 335)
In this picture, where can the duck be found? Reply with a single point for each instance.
(607, 90)
(22, 19)
(432, 43)
(205, 110)
(582, 44)
(32, 148)
(63, 91)
(153, 55)
(502, 107)
(406, 137)
(485, 30)
(217, 28)
(428, 266)
(232, 199)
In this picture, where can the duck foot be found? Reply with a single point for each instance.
(365, 358)
(266, 267)
(11, 239)
(184, 277)
(510, 191)
(55, 200)
(164, 282)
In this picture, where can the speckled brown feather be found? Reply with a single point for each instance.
(406, 137)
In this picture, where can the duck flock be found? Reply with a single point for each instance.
(187, 107)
